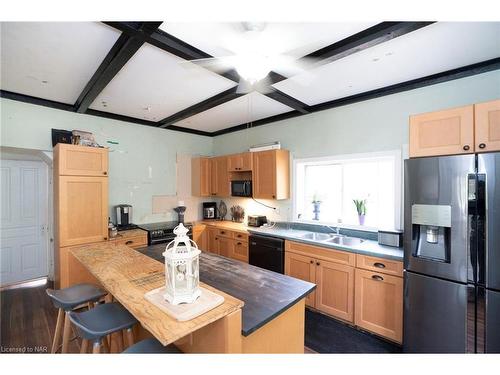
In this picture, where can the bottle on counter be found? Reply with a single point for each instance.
(112, 231)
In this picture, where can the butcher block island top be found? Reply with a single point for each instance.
(128, 275)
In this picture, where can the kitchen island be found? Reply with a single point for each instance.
(263, 312)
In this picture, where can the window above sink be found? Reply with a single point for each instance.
(334, 182)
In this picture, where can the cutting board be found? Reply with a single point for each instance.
(185, 311)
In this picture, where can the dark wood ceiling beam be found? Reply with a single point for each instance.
(207, 104)
(121, 52)
(462, 72)
(171, 44)
(288, 100)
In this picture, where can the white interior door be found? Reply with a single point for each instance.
(24, 221)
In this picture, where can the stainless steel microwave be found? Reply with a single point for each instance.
(241, 188)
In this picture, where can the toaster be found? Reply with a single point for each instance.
(390, 238)
(256, 220)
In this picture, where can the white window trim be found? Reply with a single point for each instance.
(398, 188)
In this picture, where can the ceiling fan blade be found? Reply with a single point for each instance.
(244, 87)
(264, 85)
(214, 64)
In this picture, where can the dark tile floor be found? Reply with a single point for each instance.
(327, 335)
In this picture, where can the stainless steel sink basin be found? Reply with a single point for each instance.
(345, 241)
(316, 236)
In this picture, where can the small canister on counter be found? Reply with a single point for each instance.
(390, 237)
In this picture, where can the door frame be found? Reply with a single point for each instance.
(46, 160)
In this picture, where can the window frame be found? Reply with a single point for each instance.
(398, 185)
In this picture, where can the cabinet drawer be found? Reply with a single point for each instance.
(224, 233)
(240, 236)
(337, 256)
(388, 267)
(133, 242)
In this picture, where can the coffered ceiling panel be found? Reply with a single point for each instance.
(247, 108)
(433, 49)
(155, 84)
(295, 39)
(52, 60)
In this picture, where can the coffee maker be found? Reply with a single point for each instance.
(124, 216)
(209, 210)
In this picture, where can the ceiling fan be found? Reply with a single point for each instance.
(253, 59)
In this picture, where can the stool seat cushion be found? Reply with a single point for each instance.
(102, 320)
(71, 297)
(150, 346)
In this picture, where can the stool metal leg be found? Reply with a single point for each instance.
(66, 333)
(57, 333)
(130, 337)
(84, 346)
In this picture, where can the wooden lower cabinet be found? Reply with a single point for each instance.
(304, 268)
(225, 246)
(240, 251)
(200, 236)
(212, 244)
(379, 304)
(335, 291)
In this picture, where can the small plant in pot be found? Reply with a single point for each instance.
(316, 204)
(361, 209)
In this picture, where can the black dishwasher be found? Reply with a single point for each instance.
(267, 252)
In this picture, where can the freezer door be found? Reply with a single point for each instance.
(435, 315)
(436, 215)
(492, 321)
(489, 165)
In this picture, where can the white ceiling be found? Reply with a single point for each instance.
(155, 84)
(247, 108)
(52, 60)
(432, 49)
(295, 39)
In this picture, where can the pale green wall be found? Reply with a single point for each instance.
(372, 125)
(143, 164)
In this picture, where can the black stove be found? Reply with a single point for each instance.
(163, 232)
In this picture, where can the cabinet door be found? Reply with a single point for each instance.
(264, 178)
(487, 122)
(234, 163)
(200, 236)
(82, 209)
(205, 177)
(246, 161)
(240, 251)
(219, 184)
(446, 132)
(303, 268)
(225, 246)
(379, 304)
(213, 246)
(335, 293)
(74, 160)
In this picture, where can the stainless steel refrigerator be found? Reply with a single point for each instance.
(452, 254)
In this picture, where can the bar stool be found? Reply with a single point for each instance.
(151, 346)
(103, 320)
(66, 300)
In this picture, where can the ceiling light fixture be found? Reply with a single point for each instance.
(253, 68)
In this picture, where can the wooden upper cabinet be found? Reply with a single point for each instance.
(487, 122)
(304, 268)
(271, 174)
(201, 177)
(219, 184)
(379, 304)
(82, 210)
(72, 160)
(335, 291)
(240, 162)
(445, 132)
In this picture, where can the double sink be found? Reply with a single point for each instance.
(331, 238)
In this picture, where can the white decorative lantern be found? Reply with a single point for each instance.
(182, 274)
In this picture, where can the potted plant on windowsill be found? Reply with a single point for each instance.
(361, 209)
(316, 205)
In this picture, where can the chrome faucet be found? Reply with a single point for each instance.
(335, 229)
